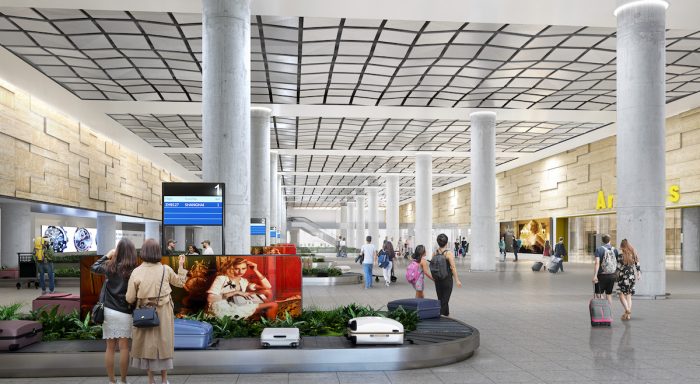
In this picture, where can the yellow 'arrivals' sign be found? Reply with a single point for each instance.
(674, 196)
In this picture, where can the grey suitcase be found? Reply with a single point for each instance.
(426, 308)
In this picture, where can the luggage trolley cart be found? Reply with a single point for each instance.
(27, 270)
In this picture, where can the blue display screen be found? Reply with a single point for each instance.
(193, 210)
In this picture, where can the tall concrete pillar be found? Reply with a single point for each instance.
(360, 231)
(484, 239)
(198, 236)
(344, 221)
(180, 238)
(424, 202)
(282, 212)
(16, 228)
(226, 112)
(274, 204)
(352, 211)
(152, 231)
(260, 166)
(107, 233)
(295, 235)
(690, 254)
(372, 214)
(392, 207)
(641, 161)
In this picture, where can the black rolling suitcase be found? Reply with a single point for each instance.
(537, 266)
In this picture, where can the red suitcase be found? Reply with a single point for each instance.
(65, 302)
(16, 334)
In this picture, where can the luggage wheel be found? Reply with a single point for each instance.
(294, 345)
(376, 279)
(266, 345)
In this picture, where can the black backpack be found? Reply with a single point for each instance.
(438, 266)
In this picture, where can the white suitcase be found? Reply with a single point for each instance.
(375, 330)
(280, 337)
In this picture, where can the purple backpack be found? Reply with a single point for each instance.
(413, 272)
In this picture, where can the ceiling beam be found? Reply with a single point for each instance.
(360, 111)
(682, 14)
(368, 174)
(352, 152)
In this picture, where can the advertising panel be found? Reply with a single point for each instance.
(241, 287)
(70, 239)
(531, 233)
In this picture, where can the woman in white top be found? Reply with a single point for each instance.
(369, 253)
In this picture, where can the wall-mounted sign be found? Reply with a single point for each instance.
(193, 204)
(604, 201)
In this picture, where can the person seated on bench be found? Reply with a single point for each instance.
(233, 295)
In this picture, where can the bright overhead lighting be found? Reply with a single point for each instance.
(638, 3)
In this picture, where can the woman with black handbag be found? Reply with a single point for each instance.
(152, 347)
(117, 265)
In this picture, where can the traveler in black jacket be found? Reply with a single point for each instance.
(559, 254)
(117, 265)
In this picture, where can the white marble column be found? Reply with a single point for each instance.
(198, 236)
(226, 112)
(260, 166)
(484, 243)
(641, 161)
(344, 221)
(360, 232)
(107, 233)
(424, 202)
(372, 214)
(16, 227)
(352, 211)
(392, 207)
(152, 231)
(274, 204)
(180, 238)
(283, 212)
(690, 254)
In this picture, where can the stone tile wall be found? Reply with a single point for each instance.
(49, 157)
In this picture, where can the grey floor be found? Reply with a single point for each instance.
(534, 329)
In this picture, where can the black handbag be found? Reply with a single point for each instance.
(147, 317)
(97, 315)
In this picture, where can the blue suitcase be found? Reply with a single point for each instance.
(426, 308)
(191, 334)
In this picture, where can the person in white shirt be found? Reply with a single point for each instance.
(369, 253)
(206, 248)
(343, 248)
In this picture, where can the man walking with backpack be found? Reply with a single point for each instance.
(559, 254)
(605, 268)
(443, 270)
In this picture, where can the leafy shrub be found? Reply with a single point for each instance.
(409, 319)
(321, 272)
(10, 312)
(67, 272)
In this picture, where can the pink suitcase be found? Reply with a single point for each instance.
(16, 334)
(65, 302)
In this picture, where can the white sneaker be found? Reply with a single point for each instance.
(387, 283)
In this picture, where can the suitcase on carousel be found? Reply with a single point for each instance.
(192, 334)
(426, 308)
(280, 337)
(16, 334)
(65, 302)
(374, 330)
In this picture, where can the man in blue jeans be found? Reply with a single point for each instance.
(44, 262)
(369, 253)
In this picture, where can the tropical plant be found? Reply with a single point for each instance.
(409, 319)
(82, 329)
(10, 312)
(55, 324)
(67, 272)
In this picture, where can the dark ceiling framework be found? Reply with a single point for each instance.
(115, 55)
(143, 56)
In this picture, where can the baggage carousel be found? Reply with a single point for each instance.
(435, 342)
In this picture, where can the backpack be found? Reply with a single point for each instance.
(413, 272)
(383, 259)
(438, 267)
(608, 263)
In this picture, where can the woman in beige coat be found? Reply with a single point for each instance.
(152, 348)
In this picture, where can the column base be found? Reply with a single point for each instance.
(652, 297)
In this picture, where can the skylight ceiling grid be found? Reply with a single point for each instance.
(117, 55)
(190, 161)
(179, 131)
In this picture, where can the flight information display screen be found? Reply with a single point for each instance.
(193, 204)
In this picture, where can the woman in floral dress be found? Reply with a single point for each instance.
(628, 273)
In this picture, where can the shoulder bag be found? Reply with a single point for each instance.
(147, 316)
(97, 315)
